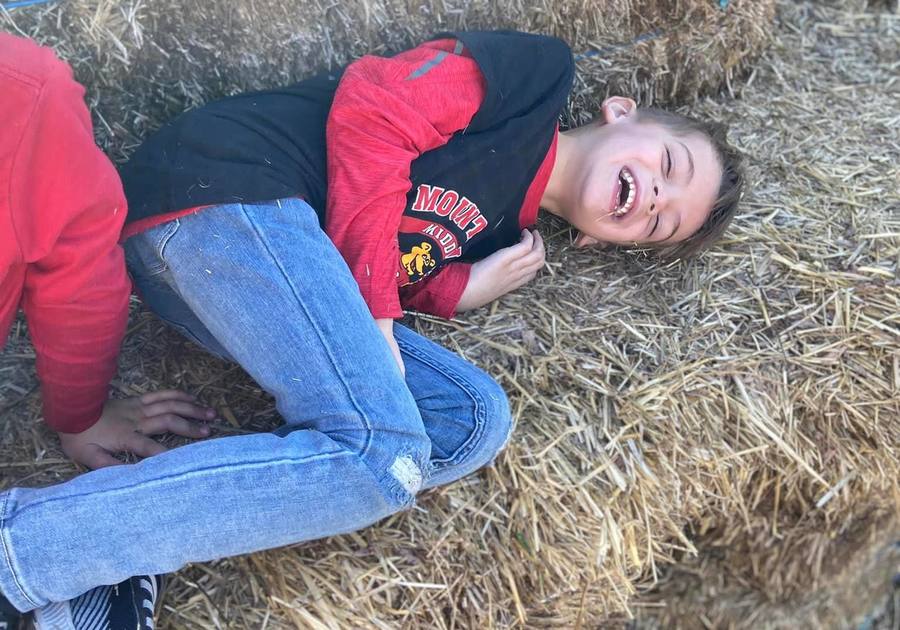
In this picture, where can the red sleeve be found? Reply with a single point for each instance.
(386, 112)
(437, 294)
(68, 209)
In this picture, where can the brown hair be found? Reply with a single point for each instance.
(725, 206)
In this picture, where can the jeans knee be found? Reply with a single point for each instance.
(398, 458)
(498, 423)
(480, 430)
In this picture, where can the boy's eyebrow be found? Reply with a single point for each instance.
(690, 161)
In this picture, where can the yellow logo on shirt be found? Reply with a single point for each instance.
(417, 259)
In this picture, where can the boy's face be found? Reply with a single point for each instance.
(638, 182)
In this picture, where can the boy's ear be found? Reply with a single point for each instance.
(583, 240)
(618, 109)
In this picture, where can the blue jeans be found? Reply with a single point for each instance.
(262, 285)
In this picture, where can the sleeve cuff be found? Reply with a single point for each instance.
(441, 294)
(385, 305)
(72, 410)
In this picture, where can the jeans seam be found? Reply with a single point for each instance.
(160, 246)
(334, 363)
(7, 556)
(469, 445)
(184, 475)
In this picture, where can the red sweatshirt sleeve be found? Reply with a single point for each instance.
(386, 112)
(437, 294)
(68, 209)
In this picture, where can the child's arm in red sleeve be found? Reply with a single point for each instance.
(438, 294)
(68, 209)
(386, 112)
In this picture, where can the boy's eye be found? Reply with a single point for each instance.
(655, 225)
(668, 163)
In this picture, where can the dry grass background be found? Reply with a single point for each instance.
(145, 61)
(709, 444)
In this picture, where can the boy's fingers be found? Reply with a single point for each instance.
(534, 259)
(529, 274)
(509, 255)
(166, 394)
(525, 241)
(523, 276)
(522, 248)
(536, 254)
(531, 242)
(170, 423)
(144, 446)
(520, 282)
(178, 407)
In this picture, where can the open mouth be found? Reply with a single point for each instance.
(625, 200)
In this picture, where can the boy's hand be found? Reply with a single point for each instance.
(125, 425)
(386, 326)
(503, 271)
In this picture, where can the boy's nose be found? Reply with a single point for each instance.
(655, 199)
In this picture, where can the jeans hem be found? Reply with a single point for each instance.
(9, 580)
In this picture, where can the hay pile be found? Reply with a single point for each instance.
(707, 443)
(143, 62)
(802, 532)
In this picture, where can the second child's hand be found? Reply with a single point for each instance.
(125, 426)
(503, 271)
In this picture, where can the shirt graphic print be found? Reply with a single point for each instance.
(435, 229)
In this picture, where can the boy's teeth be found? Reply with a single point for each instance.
(624, 208)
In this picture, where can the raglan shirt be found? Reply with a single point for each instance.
(451, 172)
(436, 157)
(61, 212)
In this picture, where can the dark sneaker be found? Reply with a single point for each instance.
(129, 605)
(10, 618)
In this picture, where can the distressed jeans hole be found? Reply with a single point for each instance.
(407, 473)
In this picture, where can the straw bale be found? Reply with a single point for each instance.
(735, 417)
(851, 593)
(142, 62)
